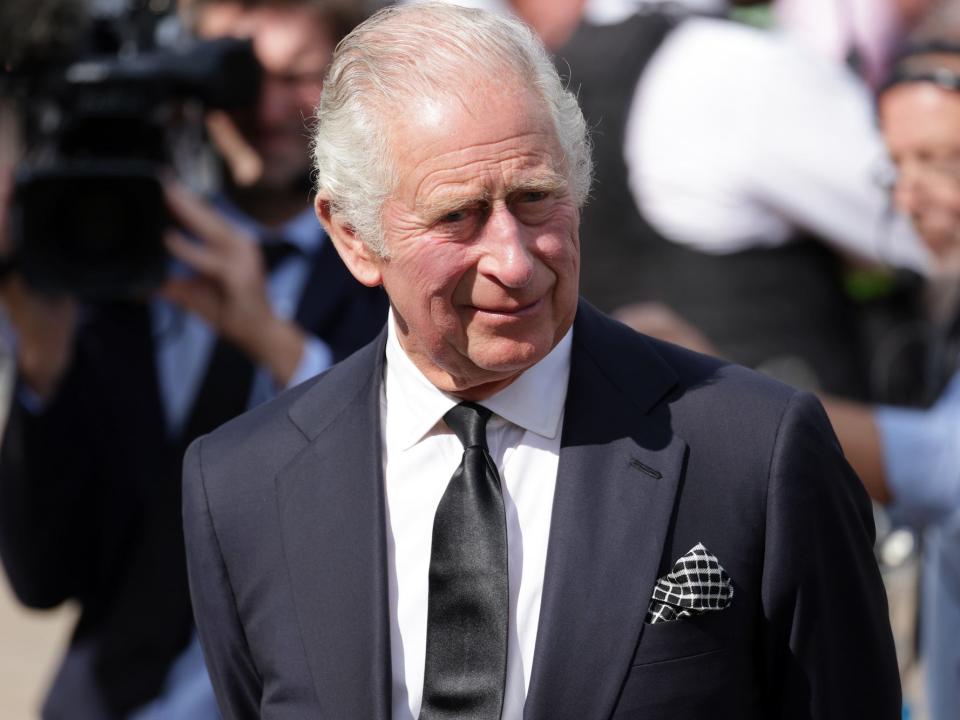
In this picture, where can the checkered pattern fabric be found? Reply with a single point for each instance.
(696, 584)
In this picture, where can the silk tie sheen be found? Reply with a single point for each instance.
(467, 613)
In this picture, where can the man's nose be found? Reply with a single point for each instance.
(506, 252)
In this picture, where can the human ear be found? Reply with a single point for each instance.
(362, 262)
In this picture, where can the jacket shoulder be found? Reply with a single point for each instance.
(249, 450)
(632, 360)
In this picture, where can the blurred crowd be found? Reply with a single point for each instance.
(777, 183)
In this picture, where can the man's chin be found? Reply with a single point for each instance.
(513, 358)
(483, 374)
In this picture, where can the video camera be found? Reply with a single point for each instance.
(88, 213)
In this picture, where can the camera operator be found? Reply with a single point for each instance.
(110, 393)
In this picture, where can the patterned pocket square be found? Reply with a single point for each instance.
(696, 584)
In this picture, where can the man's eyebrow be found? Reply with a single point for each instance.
(436, 208)
(450, 203)
(541, 183)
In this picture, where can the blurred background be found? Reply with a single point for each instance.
(777, 183)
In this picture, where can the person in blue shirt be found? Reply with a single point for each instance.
(109, 395)
(908, 458)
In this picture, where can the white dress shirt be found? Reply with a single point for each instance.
(420, 454)
(738, 137)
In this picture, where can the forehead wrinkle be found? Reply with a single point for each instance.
(540, 162)
(439, 206)
(489, 151)
(441, 202)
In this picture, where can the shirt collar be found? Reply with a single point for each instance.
(534, 401)
(302, 230)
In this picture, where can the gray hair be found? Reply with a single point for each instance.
(404, 52)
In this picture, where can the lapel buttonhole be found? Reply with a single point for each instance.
(646, 469)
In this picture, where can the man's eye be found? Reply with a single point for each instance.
(532, 196)
(454, 217)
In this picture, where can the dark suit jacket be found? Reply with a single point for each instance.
(90, 497)
(661, 449)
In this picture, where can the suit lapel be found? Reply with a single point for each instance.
(620, 466)
(333, 527)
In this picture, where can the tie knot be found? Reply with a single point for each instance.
(469, 422)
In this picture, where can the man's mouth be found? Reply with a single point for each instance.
(521, 309)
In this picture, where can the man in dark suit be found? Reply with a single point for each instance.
(109, 395)
(510, 505)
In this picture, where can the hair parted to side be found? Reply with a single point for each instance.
(406, 52)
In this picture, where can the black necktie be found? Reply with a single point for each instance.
(466, 662)
(227, 384)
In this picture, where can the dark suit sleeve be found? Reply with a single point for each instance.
(235, 679)
(828, 644)
(49, 500)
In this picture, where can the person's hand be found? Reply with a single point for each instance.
(242, 159)
(659, 321)
(45, 325)
(229, 288)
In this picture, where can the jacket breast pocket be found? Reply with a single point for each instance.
(686, 637)
(683, 668)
